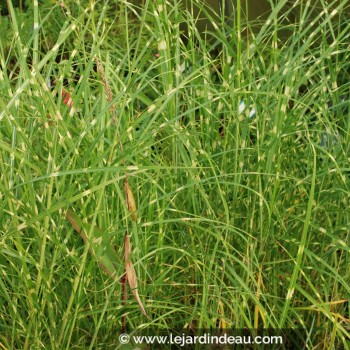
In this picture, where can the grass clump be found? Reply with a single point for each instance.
(242, 218)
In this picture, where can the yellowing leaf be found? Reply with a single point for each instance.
(130, 200)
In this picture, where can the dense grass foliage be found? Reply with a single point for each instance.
(242, 218)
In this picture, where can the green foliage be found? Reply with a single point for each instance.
(242, 221)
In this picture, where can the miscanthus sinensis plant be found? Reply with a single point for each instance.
(235, 146)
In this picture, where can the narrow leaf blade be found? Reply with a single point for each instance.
(131, 274)
(98, 246)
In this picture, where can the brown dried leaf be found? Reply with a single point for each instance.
(131, 274)
(130, 200)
